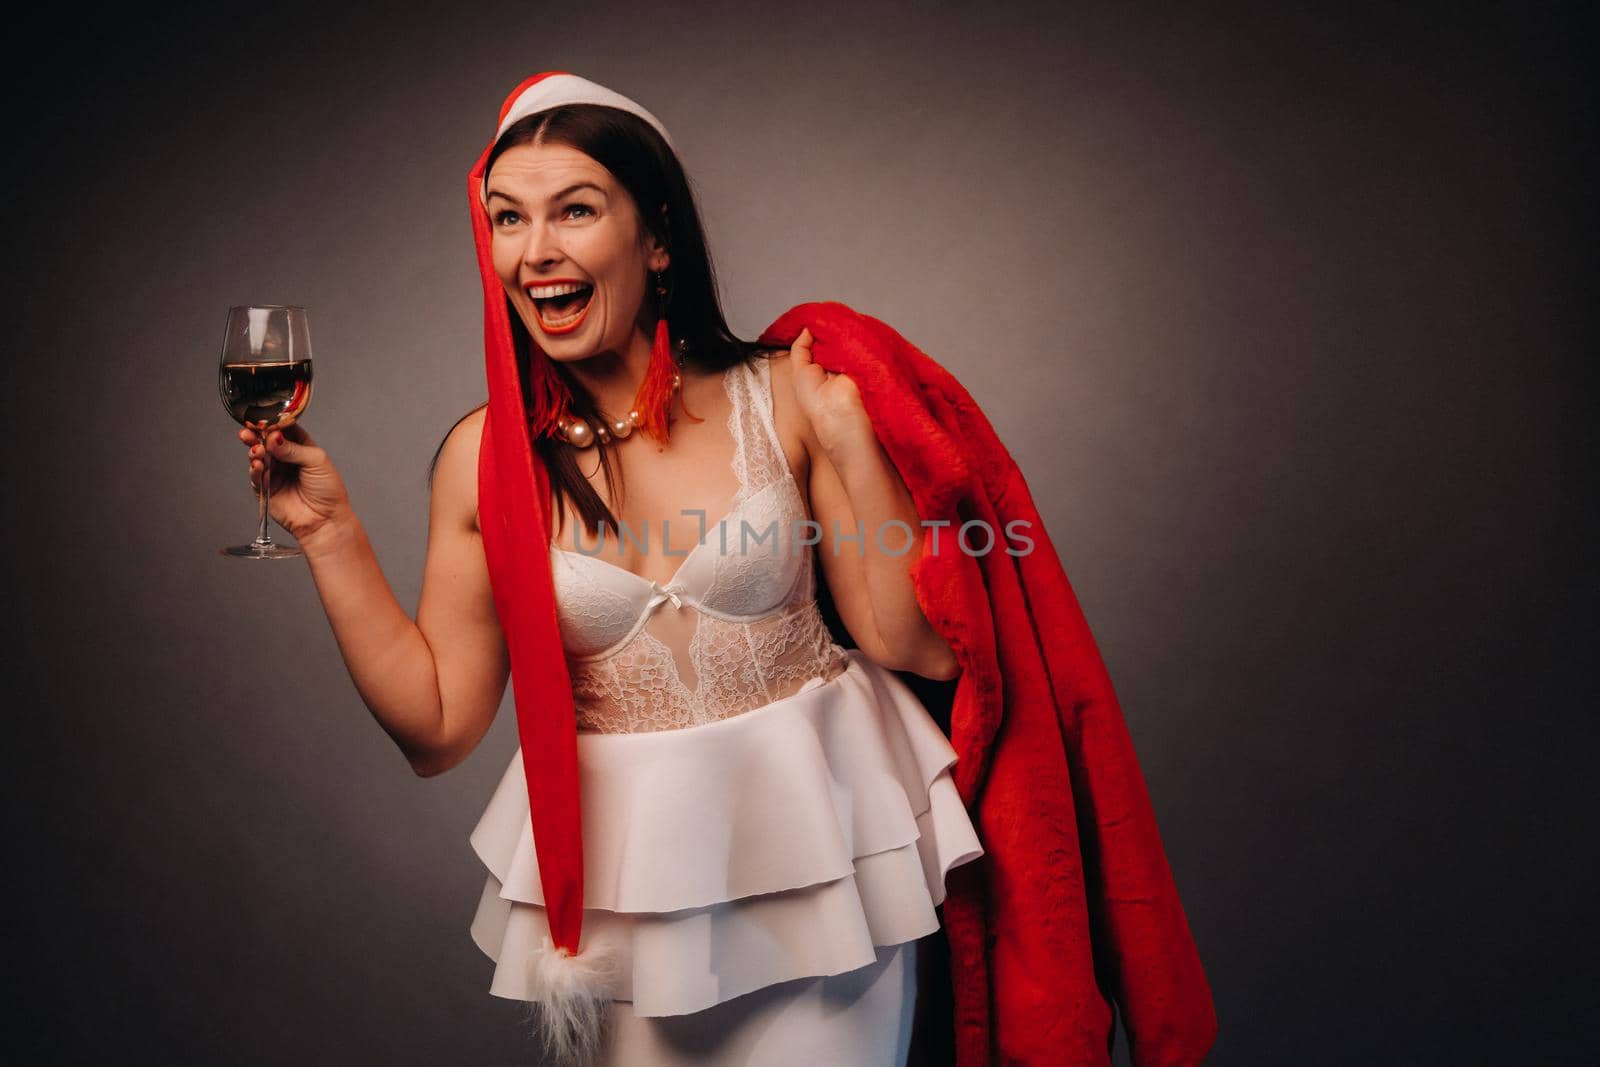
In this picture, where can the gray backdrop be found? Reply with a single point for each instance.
(1280, 310)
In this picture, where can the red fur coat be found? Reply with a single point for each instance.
(1073, 906)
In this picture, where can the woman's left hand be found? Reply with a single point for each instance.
(829, 399)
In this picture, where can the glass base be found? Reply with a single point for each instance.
(255, 551)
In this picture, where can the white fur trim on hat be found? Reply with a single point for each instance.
(561, 89)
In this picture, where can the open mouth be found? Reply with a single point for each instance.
(564, 308)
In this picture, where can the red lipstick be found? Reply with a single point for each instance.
(557, 330)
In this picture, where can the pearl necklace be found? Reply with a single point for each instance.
(579, 434)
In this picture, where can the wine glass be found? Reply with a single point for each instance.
(265, 381)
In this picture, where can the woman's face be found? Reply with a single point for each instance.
(561, 222)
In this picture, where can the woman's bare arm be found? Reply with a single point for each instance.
(856, 487)
(434, 684)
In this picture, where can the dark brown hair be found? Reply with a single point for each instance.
(645, 165)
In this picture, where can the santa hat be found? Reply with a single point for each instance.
(573, 988)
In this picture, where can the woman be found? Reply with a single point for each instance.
(767, 818)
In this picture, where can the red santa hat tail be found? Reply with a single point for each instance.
(573, 988)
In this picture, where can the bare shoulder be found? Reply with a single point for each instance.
(794, 429)
(455, 479)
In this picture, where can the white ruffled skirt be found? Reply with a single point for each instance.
(761, 877)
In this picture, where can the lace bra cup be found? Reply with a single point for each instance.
(743, 569)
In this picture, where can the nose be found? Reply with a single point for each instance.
(542, 249)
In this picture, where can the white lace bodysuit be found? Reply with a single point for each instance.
(768, 820)
(735, 628)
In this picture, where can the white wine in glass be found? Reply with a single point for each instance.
(265, 380)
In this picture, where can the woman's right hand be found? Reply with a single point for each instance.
(307, 493)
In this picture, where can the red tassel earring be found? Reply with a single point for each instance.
(549, 401)
(662, 379)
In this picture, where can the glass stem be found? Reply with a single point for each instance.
(263, 539)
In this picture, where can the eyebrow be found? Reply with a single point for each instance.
(574, 187)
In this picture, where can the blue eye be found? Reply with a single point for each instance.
(504, 218)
